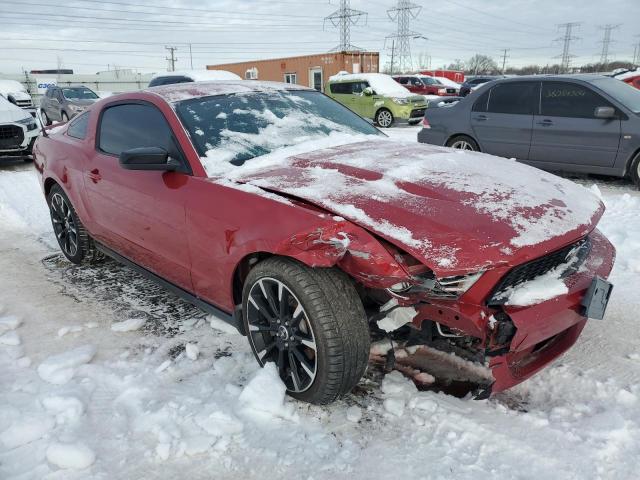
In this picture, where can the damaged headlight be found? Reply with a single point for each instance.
(455, 286)
(443, 287)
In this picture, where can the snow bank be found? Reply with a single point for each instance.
(59, 369)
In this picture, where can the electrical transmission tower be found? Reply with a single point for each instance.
(402, 14)
(342, 19)
(568, 37)
(606, 41)
(172, 59)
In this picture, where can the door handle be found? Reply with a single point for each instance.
(94, 175)
(481, 118)
(545, 123)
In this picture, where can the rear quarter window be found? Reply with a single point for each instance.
(341, 88)
(78, 126)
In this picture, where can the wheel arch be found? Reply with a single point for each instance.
(630, 160)
(48, 184)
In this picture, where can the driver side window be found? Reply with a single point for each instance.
(127, 126)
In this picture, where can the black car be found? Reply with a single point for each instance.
(474, 82)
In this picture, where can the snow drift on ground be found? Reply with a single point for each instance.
(119, 415)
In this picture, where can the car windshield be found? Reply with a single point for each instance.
(78, 93)
(620, 91)
(236, 128)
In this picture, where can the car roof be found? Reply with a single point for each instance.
(584, 77)
(178, 92)
(200, 75)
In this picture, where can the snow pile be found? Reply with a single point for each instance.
(264, 396)
(65, 455)
(382, 84)
(59, 369)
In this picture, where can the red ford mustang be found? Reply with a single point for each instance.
(301, 222)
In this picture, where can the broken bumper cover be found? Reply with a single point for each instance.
(547, 330)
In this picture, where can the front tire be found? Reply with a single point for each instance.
(311, 323)
(64, 117)
(384, 118)
(73, 239)
(463, 142)
(45, 118)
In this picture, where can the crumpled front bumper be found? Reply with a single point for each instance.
(547, 330)
(543, 331)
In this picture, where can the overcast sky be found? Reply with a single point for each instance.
(93, 35)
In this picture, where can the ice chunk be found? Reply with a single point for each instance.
(10, 338)
(59, 369)
(26, 430)
(354, 414)
(70, 455)
(192, 351)
(264, 395)
(128, 325)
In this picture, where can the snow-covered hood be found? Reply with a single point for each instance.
(453, 210)
(10, 113)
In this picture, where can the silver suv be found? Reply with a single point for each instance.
(63, 103)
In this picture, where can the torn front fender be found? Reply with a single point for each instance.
(351, 248)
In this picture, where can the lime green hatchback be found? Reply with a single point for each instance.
(378, 97)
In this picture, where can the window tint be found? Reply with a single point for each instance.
(341, 88)
(515, 98)
(481, 103)
(169, 80)
(128, 126)
(78, 126)
(561, 99)
(402, 80)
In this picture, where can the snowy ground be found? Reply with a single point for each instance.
(105, 376)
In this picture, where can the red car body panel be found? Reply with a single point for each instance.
(424, 89)
(633, 81)
(196, 231)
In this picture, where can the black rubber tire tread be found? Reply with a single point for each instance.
(474, 144)
(634, 173)
(87, 251)
(338, 319)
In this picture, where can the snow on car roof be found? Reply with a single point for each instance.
(202, 75)
(184, 91)
(382, 84)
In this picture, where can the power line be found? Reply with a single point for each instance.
(606, 41)
(172, 59)
(568, 37)
(343, 19)
(402, 14)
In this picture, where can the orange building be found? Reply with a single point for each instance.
(311, 70)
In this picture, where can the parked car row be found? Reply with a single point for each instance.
(578, 123)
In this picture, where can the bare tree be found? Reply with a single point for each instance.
(481, 64)
(457, 64)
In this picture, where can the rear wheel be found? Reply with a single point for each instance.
(73, 239)
(463, 142)
(45, 118)
(311, 323)
(635, 170)
(384, 118)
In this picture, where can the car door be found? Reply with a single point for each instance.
(566, 130)
(56, 104)
(366, 104)
(47, 103)
(504, 123)
(138, 213)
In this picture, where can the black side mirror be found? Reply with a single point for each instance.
(605, 112)
(148, 158)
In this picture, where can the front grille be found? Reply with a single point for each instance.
(23, 103)
(417, 113)
(11, 136)
(573, 255)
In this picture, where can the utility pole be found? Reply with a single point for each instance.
(402, 14)
(342, 19)
(172, 59)
(191, 56)
(636, 53)
(566, 55)
(606, 41)
(393, 52)
(504, 59)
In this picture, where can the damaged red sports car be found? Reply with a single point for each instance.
(278, 207)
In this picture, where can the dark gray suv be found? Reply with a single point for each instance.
(573, 123)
